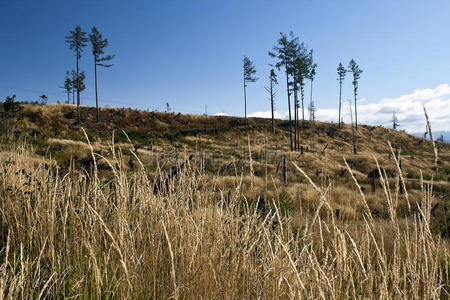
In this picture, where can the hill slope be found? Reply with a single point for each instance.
(224, 146)
(189, 206)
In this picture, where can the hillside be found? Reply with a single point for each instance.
(220, 140)
(201, 195)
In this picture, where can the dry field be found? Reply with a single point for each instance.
(196, 208)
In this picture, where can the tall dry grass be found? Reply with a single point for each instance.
(132, 235)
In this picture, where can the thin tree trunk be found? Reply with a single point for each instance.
(298, 122)
(356, 113)
(78, 91)
(295, 117)
(96, 95)
(245, 105)
(311, 103)
(340, 96)
(303, 107)
(353, 131)
(289, 107)
(68, 97)
(271, 104)
(73, 94)
(296, 125)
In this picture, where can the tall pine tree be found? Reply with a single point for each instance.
(77, 41)
(98, 46)
(284, 51)
(249, 76)
(341, 75)
(356, 71)
(311, 76)
(271, 89)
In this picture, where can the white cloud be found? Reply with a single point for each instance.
(266, 114)
(408, 108)
(221, 114)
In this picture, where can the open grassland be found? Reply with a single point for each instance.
(197, 208)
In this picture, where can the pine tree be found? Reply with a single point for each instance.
(79, 82)
(77, 41)
(356, 71)
(284, 52)
(341, 75)
(98, 46)
(301, 69)
(271, 89)
(67, 86)
(394, 121)
(43, 99)
(249, 72)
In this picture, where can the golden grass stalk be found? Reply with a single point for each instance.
(154, 235)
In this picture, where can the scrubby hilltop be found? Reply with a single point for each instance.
(257, 153)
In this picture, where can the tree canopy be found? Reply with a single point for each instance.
(249, 70)
(77, 40)
(98, 45)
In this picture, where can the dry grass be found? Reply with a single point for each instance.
(78, 235)
(111, 223)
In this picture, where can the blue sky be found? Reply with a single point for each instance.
(189, 53)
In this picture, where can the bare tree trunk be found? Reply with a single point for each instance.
(78, 90)
(311, 117)
(73, 93)
(297, 110)
(289, 107)
(295, 117)
(340, 96)
(303, 107)
(298, 136)
(284, 171)
(271, 104)
(356, 113)
(353, 131)
(96, 95)
(311, 102)
(245, 105)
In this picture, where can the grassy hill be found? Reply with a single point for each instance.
(165, 204)
(54, 130)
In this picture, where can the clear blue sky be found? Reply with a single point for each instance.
(189, 53)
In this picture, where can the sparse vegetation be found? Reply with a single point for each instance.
(204, 212)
